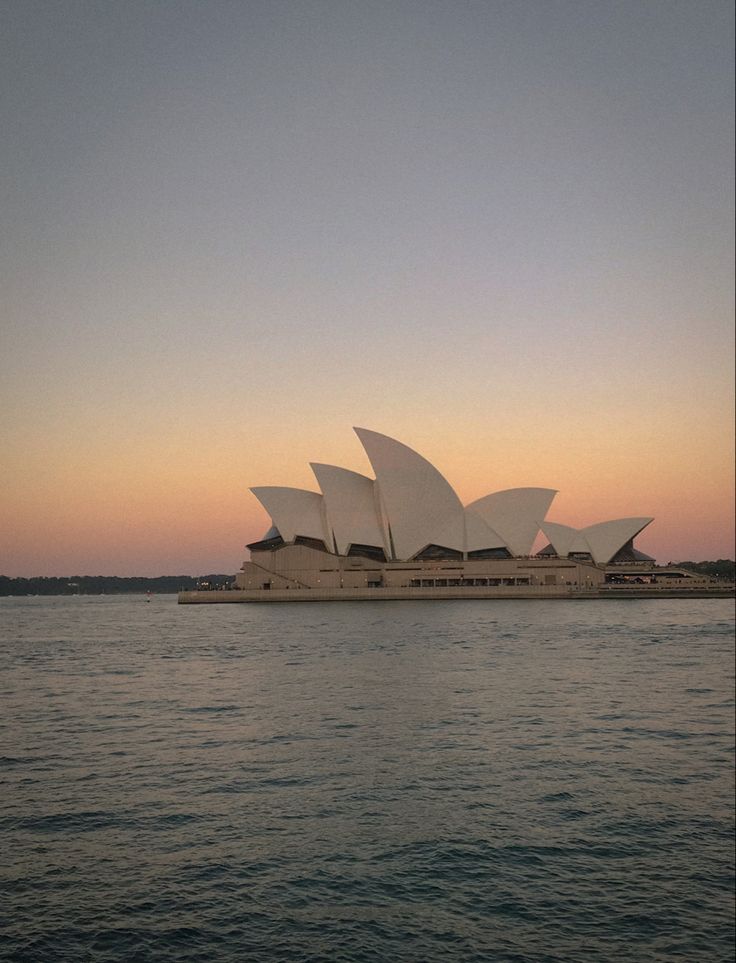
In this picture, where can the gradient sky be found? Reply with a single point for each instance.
(498, 231)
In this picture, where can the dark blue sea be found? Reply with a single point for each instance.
(372, 781)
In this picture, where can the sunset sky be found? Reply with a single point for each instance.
(498, 231)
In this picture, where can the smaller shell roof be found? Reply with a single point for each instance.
(602, 540)
(516, 514)
(606, 538)
(350, 504)
(294, 511)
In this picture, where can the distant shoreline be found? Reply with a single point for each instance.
(109, 584)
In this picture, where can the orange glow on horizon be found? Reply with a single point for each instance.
(160, 506)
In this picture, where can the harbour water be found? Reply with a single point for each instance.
(411, 781)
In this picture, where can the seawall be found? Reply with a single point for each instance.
(389, 594)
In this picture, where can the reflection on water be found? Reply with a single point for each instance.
(419, 781)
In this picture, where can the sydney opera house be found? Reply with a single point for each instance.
(405, 534)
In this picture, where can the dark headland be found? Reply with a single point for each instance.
(109, 584)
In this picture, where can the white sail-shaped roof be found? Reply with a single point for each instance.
(606, 538)
(479, 535)
(561, 537)
(294, 511)
(410, 507)
(601, 541)
(515, 514)
(350, 504)
(421, 506)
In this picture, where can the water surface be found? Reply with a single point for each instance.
(410, 781)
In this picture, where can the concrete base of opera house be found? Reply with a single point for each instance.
(298, 573)
(386, 594)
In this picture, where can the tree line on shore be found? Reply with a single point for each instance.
(108, 584)
(723, 568)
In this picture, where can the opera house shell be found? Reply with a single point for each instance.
(410, 512)
(405, 534)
